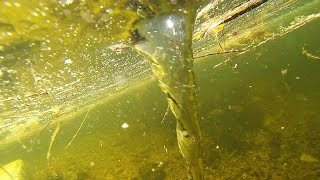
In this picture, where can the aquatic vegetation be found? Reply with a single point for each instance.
(173, 67)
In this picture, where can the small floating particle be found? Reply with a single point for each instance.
(160, 164)
(67, 61)
(17, 4)
(92, 163)
(125, 125)
(65, 2)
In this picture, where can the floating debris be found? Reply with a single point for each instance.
(284, 72)
(308, 158)
(118, 48)
(309, 55)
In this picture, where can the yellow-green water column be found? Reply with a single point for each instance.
(165, 38)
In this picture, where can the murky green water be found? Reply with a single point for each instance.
(260, 121)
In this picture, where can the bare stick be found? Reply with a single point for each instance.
(53, 137)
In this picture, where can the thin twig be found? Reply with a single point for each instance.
(225, 61)
(224, 55)
(46, 127)
(75, 135)
(53, 137)
(217, 53)
(165, 114)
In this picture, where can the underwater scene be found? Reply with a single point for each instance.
(155, 90)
